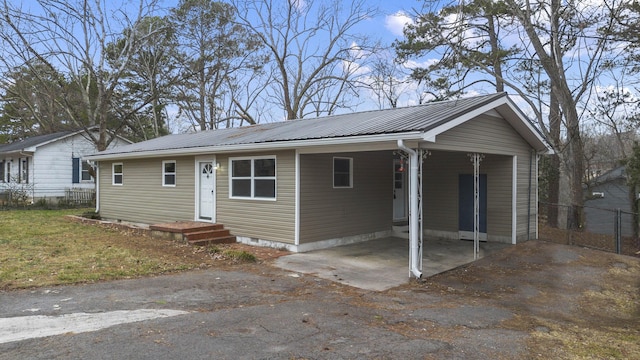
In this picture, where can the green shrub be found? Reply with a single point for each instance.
(240, 255)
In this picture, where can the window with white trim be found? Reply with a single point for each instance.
(85, 171)
(24, 170)
(117, 169)
(252, 177)
(342, 172)
(169, 173)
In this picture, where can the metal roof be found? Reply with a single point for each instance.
(399, 120)
(32, 141)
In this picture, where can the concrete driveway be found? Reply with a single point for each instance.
(383, 263)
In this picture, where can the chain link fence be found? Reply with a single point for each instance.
(612, 230)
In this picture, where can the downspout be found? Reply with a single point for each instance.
(97, 164)
(413, 209)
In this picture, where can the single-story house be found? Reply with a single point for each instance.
(607, 194)
(48, 165)
(464, 168)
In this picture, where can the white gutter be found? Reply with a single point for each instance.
(414, 252)
(284, 144)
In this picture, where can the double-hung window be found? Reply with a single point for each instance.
(118, 173)
(253, 178)
(169, 173)
(81, 171)
(342, 172)
(24, 170)
(85, 171)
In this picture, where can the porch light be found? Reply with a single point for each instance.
(216, 166)
(401, 168)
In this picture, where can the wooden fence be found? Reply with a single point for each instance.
(79, 196)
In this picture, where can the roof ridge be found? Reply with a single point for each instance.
(439, 102)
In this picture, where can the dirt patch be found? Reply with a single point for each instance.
(536, 300)
(629, 245)
(140, 237)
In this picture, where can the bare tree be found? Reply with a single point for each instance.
(562, 48)
(72, 37)
(213, 50)
(388, 82)
(313, 48)
(555, 30)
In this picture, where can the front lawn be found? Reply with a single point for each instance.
(42, 248)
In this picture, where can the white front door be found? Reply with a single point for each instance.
(207, 189)
(399, 190)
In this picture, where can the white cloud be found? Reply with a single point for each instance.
(395, 23)
(299, 5)
(412, 64)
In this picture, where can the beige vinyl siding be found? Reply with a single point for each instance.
(487, 135)
(441, 173)
(499, 193)
(440, 189)
(254, 218)
(328, 213)
(484, 134)
(524, 198)
(142, 198)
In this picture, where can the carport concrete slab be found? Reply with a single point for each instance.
(383, 263)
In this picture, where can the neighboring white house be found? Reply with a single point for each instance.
(48, 165)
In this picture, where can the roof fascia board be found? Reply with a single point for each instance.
(78, 132)
(291, 144)
(523, 119)
(57, 139)
(20, 152)
(352, 148)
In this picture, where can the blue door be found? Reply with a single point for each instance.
(465, 206)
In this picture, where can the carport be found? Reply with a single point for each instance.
(380, 264)
(469, 173)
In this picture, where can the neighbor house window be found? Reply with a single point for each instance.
(81, 170)
(85, 174)
(24, 170)
(2, 166)
(117, 170)
(169, 173)
(342, 172)
(253, 178)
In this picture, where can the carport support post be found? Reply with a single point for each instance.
(476, 158)
(414, 226)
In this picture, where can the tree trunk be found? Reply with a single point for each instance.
(553, 189)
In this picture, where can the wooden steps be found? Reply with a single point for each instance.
(193, 232)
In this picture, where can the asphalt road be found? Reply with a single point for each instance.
(260, 312)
